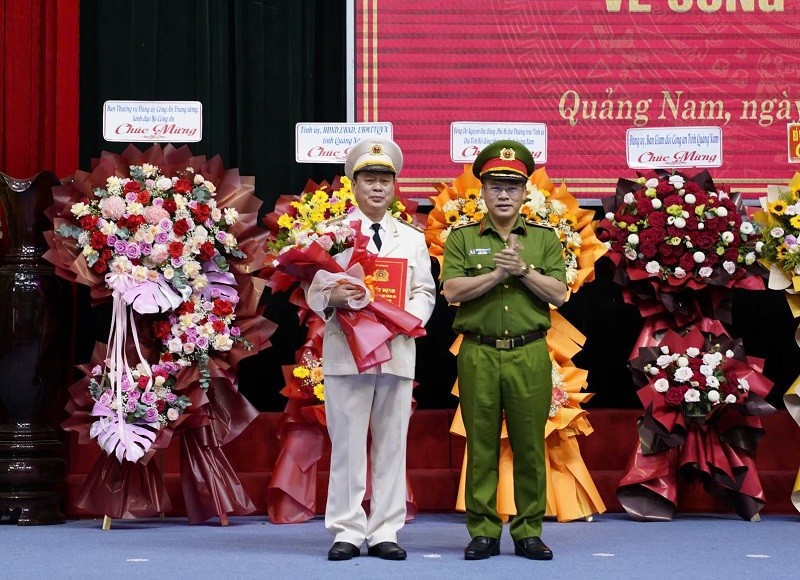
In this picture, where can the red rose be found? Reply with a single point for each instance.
(643, 205)
(692, 187)
(98, 240)
(674, 396)
(185, 308)
(170, 205)
(687, 262)
(218, 325)
(143, 197)
(180, 227)
(88, 222)
(100, 266)
(673, 200)
(692, 222)
(732, 254)
(670, 259)
(161, 405)
(175, 249)
(222, 307)
(703, 239)
(206, 251)
(142, 381)
(648, 250)
(162, 329)
(166, 357)
(201, 212)
(657, 219)
(652, 235)
(106, 254)
(183, 186)
(132, 186)
(664, 188)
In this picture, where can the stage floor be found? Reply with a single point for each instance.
(612, 546)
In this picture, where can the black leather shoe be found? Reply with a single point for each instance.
(532, 548)
(481, 547)
(343, 551)
(387, 551)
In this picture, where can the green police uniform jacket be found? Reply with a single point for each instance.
(509, 308)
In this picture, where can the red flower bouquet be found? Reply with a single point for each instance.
(671, 232)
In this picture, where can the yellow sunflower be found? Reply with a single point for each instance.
(777, 207)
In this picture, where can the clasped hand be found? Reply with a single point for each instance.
(343, 293)
(508, 260)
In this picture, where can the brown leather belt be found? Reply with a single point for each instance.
(506, 343)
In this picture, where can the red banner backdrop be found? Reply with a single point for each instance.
(589, 69)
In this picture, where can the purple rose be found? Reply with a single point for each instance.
(130, 407)
(121, 247)
(191, 332)
(202, 342)
(148, 398)
(145, 248)
(215, 292)
(165, 225)
(172, 367)
(134, 395)
(177, 262)
(171, 397)
(126, 384)
(111, 240)
(162, 238)
(209, 223)
(221, 236)
(158, 202)
(151, 415)
(131, 196)
(105, 398)
(236, 331)
(133, 251)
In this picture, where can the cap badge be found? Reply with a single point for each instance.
(377, 149)
(507, 154)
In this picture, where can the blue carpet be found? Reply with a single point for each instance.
(612, 546)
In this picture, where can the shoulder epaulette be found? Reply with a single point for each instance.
(540, 224)
(413, 226)
(463, 225)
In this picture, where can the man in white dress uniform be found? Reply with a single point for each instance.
(379, 399)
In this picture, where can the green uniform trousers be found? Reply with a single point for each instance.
(519, 382)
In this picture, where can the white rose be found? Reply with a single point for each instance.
(729, 353)
(653, 267)
(661, 385)
(712, 382)
(680, 222)
(683, 361)
(679, 273)
(164, 183)
(609, 215)
(692, 351)
(651, 183)
(665, 349)
(172, 414)
(628, 198)
(727, 237)
(692, 396)
(722, 212)
(689, 198)
(730, 399)
(749, 258)
(759, 247)
(174, 344)
(706, 370)
(79, 209)
(657, 203)
(705, 272)
(729, 266)
(713, 397)
(198, 179)
(664, 360)
(701, 226)
(169, 273)
(684, 374)
(633, 239)
(744, 385)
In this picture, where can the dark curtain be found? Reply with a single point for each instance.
(258, 67)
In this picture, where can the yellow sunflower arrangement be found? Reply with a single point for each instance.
(780, 224)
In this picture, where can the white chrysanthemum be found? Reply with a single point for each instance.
(149, 170)
(80, 209)
(191, 268)
(88, 251)
(680, 223)
(114, 185)
(722, 212)
(747, 228)
(713, 397)
(699, 257)
(633, 239)
(610, 215)
(689, 198)
(109, 228)
(231, 215)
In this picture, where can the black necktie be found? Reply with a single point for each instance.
(376, 237)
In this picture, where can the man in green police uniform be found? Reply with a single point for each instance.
(504, 272)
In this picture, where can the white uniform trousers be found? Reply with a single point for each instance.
(355, 404)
